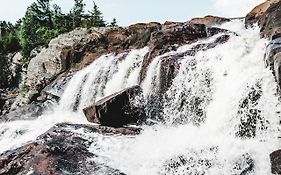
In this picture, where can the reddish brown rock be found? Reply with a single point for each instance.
(173, 35)
(59, 151)
(258, 12)
(118, 109)
(210, 20)
(269, 22)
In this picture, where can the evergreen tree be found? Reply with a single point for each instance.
(77, 13)
(28, 36)
(95, 19)
(113, 23)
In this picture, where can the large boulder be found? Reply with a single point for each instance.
(59, 151)
(119, 109)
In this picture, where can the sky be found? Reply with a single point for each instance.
(134, 11)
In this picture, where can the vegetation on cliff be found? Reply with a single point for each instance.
(42, 22)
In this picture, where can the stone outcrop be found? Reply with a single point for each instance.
(210, 20)
(59, 151)
(268, 16)
(82, 46)
(255, 15)
(119, 109)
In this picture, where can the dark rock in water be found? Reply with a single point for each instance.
(56, 88)
(210, 20)
(249, 114)
(59, 151)
(244, 165)
(119, 109)
(275, 160)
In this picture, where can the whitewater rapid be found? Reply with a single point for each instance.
(214, 93)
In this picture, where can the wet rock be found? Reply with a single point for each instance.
(75, 50)
(244, 165)
(210, 20)
(270, 25)
(193, 162)
(169, 67)
(255, 15)
(55, 89)
(275, 160)
(249, 114)
(119, 109)
(59, 151)
(27, 112)
(171, 36)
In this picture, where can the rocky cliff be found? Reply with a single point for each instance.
(60, 150)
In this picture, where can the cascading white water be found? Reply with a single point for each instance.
(211, 98)
(85, 87)
(215, 94)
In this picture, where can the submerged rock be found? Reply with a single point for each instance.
(119, 109)
(61, 151)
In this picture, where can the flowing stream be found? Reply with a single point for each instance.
(221, 114)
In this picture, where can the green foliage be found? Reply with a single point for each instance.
(76, 13)
(5, 73)
(43, 22)
(113, 23)
(95, 18)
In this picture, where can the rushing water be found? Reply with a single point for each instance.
(221, 114)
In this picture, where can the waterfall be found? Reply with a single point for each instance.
(221, 113)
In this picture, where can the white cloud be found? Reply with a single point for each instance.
(234, 8)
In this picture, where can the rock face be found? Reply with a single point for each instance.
(118, 109)
(173, 35)
(210, 20)
(269, 21)
(59, 151)
(268, 16)
(255, 15)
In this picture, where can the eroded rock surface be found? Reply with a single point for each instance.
(60, 151)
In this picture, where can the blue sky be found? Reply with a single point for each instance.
(133, 11)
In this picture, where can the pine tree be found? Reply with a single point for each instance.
(95, 18)
(28, 36)
(44, 13)
(77, 13)
(113, 23)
